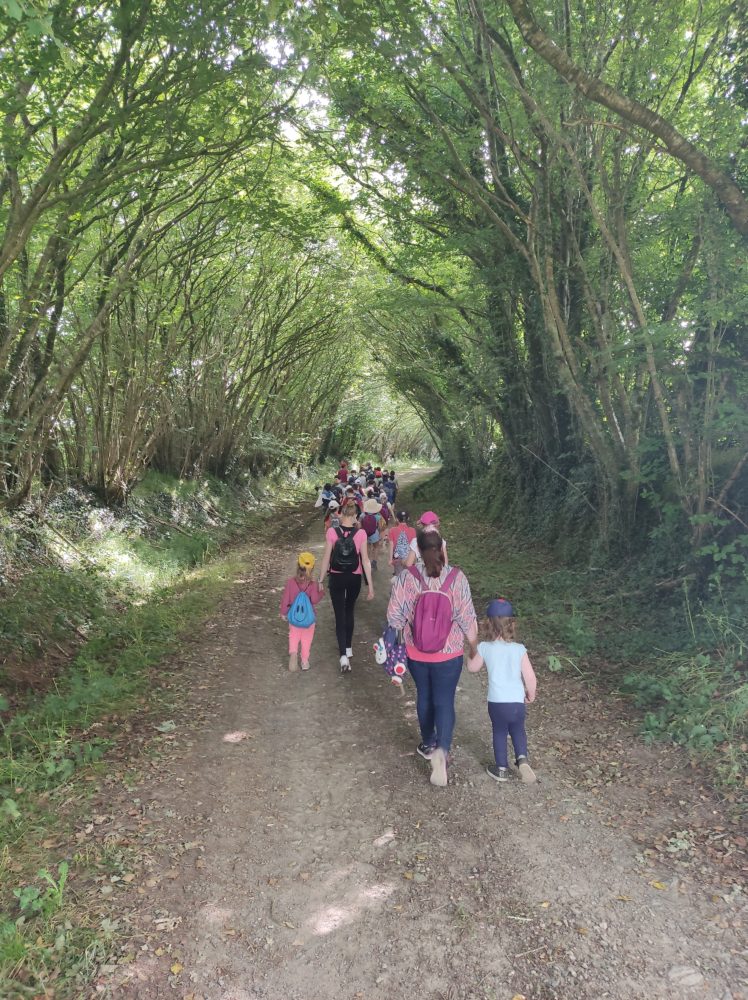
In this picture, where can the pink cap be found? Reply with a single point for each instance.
(429, 517)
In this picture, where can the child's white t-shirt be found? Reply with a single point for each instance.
(504, 665)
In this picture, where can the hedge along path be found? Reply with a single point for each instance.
(292, 848)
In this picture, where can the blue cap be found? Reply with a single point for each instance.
(500, 608)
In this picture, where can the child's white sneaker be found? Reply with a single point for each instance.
(349, 652)
(345, 665)
(526, 773)
(305, 666)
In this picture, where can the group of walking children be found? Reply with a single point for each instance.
(430, 618)
(358, 512)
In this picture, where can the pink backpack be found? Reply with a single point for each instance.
(433, 617)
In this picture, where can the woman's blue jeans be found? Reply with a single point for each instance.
(436, 684)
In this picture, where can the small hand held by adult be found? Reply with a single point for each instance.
(475, 662)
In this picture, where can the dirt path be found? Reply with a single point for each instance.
(293, 848)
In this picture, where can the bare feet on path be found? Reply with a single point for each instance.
(293, 847)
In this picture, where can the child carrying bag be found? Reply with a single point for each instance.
(402, 546)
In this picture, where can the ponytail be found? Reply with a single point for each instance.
(430, 545)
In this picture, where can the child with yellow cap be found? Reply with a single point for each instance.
(301, 595)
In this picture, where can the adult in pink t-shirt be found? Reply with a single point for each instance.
(345, 562)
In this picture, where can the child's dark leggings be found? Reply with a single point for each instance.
(344, 590)
(508, 719)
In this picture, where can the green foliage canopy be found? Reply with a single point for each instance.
(215, 218)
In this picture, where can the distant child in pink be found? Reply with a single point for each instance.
(298, 610)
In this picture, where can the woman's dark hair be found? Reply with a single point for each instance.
(430, 546)
(403, 516)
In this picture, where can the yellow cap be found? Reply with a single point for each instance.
(307, 560)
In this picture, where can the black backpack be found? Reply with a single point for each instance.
(345, 558)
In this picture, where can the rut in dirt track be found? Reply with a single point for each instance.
(298, 852)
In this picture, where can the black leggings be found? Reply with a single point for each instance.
(344, 590)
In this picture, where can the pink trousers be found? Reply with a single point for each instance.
(304, 636)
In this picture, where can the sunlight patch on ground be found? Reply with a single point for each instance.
(332, 918)
(214, 914)
(387, 837)
(236, 737)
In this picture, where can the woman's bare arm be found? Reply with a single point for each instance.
(325, 564)
(366, 563)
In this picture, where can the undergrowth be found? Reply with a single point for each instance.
(94, 597)
(44, 931)
(44, 742)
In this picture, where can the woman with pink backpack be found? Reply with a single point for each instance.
(431, 602)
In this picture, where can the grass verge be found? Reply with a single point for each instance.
(48, 941)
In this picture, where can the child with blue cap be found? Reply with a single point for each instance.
(511, 685)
